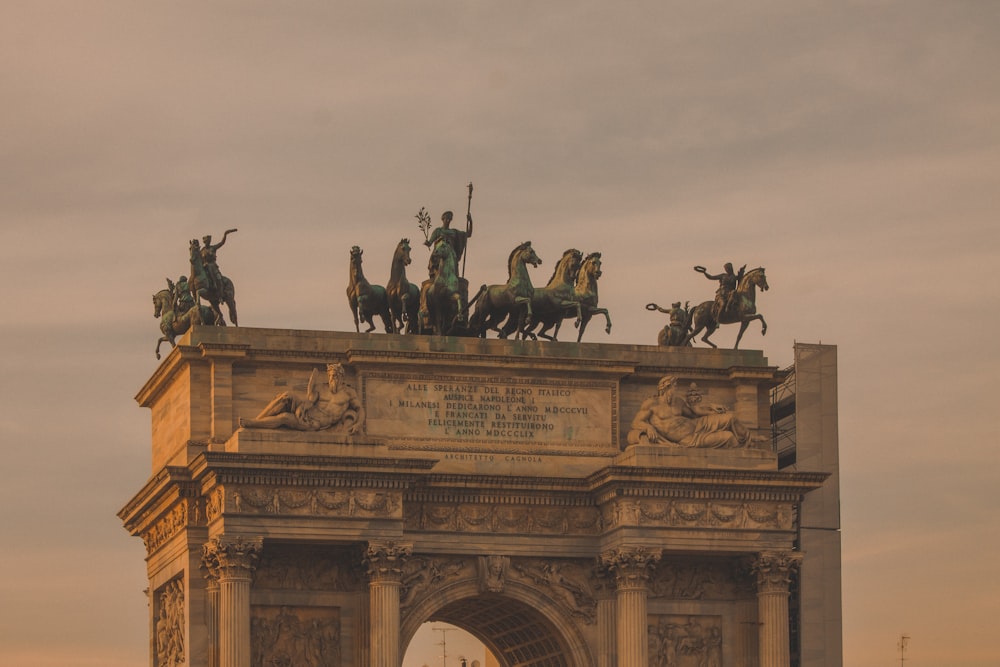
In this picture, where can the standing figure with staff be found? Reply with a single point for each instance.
(457, 239)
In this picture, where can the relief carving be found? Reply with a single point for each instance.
(685, 641)
(294, 637)
(315, 502)
(568, 583)
(707, 514)
(169, 634)
(683, 419)
(503, 519)
(421, 574)
(322, 407)
(385, 560)
(774, 570)
(492, 572)
(678, 580)
(304, 570)
(164, 529)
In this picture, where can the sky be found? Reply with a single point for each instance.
(851, 148)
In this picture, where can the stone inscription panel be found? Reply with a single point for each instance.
(491, 410)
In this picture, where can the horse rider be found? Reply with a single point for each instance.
(728, 282)
(456, 238)
(208, 260)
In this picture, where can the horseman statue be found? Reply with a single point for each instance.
(728, 282)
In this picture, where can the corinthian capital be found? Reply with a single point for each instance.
(384, 560)
(631, 566)
(223, 558)
(774, 569)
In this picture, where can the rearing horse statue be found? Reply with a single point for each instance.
(174, 324)
(440, 297)
(496, 303)
(203, 288)
(404, 296)
(743, 309)
(555, 301)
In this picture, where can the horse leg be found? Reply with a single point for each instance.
(583, 324)
(164, 339)
(231, 307)
(743, 327)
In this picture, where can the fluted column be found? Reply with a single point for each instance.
(233, 563)
(773, 570)
(384, 561)
(631, 568)
(212, 613)
(604, 591)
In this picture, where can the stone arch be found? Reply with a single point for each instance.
(519, 626)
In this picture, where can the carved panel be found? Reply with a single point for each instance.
(699, 514)
(173, 522)
(568, 583)
(306, 569)
(315, 502)
(168, 635)
(685, 641)
(422, 575)
(693, 580)
(295, 637)
(502, 518)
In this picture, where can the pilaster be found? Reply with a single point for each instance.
(384, 561)
(631, 568)
(232, 563)
(773, 570)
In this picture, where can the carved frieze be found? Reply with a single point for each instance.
(421, 575)
(169, 631)
(314, 502)
(305, 569)
(482, 518)
(699, 514)
(693, 580)
(684, 641)
(187, 512)
(295, 636)
(566, 582)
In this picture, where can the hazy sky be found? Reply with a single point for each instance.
(853, 149)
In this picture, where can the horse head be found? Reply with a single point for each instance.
(754, 278)
(403, 251)
(525, 254)
(591, 268)
(567, 268)
(443, 257)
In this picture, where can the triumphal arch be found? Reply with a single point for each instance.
(316, 496)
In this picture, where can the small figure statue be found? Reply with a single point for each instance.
(183, 300)
(728, 282)
(456, 238)
(209, 254)
(675, 334)
(686, 421)
(320, 409)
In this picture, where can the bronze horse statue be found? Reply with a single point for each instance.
(366, 300)
(496, 303)
(203, 288)
(742, 309)
(442, 311)
(555, 301)
(175, 324)
(404, 296)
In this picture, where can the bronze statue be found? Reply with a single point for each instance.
(208, 283)
(550, 304)
(496, 303)
(442, 296)
(584, 296)
(742, 308)
(456, 238)
(366, 300)
(670, 418)
(175, 320)
(728, 282)
(675, 334)
(323, 406)
(404, 296)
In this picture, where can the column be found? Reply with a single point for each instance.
(604, 591)
(384, 561)
(631, 568)
(212, 614)
(773, 570)
(232, 562)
